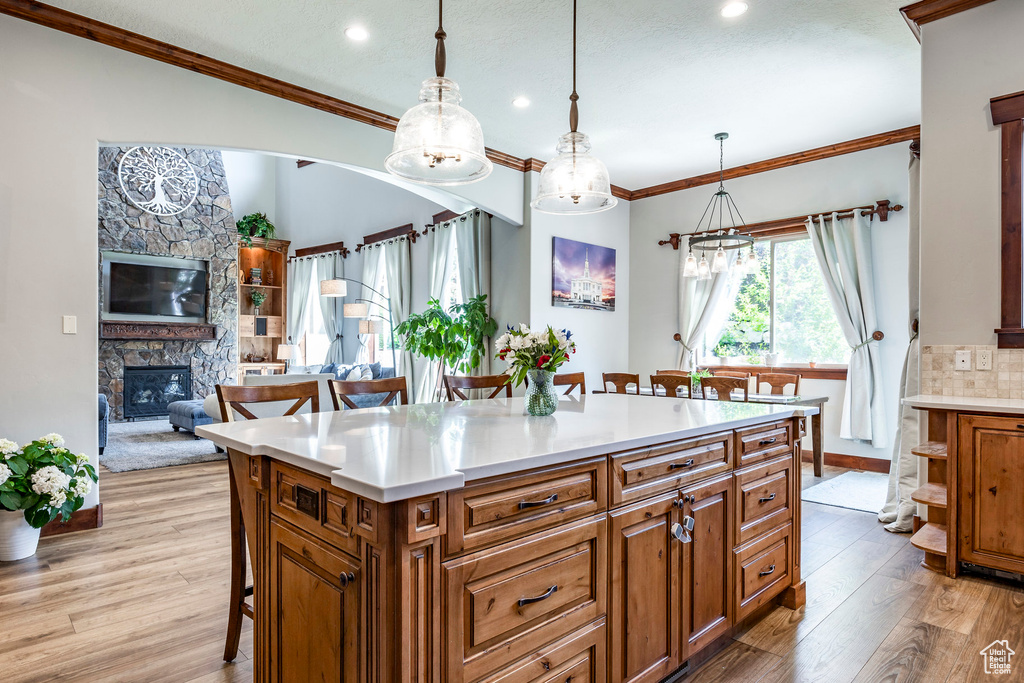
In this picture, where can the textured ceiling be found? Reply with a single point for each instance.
(657, 78)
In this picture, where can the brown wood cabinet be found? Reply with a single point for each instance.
(707, 564)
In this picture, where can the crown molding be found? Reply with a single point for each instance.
(927, 11)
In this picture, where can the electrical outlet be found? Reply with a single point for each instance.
(70, 324)
(984, 359)
(962, 360)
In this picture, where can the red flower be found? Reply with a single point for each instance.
(567, 356)
(543, 359)
(574, 349)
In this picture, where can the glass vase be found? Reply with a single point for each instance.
(540, 398)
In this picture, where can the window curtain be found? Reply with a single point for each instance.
(700, 306)
(439, 244)
(898, 512)
(473, 240)
(329, 267)
(300, 274)
(843, 249)
(372, 258)
(397, 260)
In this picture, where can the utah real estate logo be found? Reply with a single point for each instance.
(997, 657)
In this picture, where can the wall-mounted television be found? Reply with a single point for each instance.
(138, 287)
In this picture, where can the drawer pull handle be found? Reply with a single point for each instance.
(766, 442)
(766, 500)
(681, 465)
(347, 578)
(524, 504)
(771, 570)
(528, 601)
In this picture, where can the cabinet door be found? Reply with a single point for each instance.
(314, 594)
(991, 456)
(644, 605)
(707, 569)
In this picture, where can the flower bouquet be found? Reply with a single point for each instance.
(534, 357)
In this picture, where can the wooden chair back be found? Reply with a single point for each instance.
(454, 384)
(392, 386)
(620, 380)
(678, 373)
(730, 373)
(233, 399)
(571, 380)
(777, 382)
(724, 386)
(671, 384)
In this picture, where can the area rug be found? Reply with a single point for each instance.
(150, 444)
(852, 490)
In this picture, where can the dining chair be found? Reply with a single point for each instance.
(454, 384)
(678, 373)
(392, 386)
(724, 386)
(620, 380)
(777, 382)
(571, 380)
(671, 384)
(233, 401)
(730, 373)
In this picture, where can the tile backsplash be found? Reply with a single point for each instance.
(1004, 380)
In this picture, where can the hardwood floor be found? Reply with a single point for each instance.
(145, 599)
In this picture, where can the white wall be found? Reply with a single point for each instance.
(967, 59)
(838, 182)
(252, 182)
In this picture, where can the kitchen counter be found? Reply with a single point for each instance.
(1006, 406)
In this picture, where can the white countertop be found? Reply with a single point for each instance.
(1011, 406)
(399, 452)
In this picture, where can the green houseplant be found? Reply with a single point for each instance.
(255, 225)
(258, 296)
(455, 338)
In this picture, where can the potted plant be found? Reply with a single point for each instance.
(456, 338)
(722, 353)
(38, 483)
(695, 377)
(255, 225)
(535, 356)
(258, 296)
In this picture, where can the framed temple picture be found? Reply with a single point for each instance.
(582, 275)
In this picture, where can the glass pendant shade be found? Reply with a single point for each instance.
(437, 142)
(574, 182)
(333, 288)
(720, 262)
(690, 267)
(703, 269)
(752, 262)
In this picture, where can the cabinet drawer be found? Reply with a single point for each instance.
(246, 326)
(763, 498)
(763, 442)
(506, 602)
(498, 510)
(644, 472)
(762, 570)
(311, 503)
(577, 658)
(274, 326)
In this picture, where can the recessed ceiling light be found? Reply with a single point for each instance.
(358, 33)
(734, 9)
(521, 102)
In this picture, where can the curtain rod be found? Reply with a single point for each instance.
(786, 226)
(322, 249)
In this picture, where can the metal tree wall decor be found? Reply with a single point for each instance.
(158, 180)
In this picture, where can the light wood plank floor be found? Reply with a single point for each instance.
(144, 599)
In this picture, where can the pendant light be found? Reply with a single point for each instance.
(437, 142)
(574, 182)
(719, 237)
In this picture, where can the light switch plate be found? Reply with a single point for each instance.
(962, 360)
(984, 359)
(70, 324)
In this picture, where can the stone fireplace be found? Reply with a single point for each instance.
(149, 389)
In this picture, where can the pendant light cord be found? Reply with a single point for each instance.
(440, 57)
(574, 114)
(721, 164)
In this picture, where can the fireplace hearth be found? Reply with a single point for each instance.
(149, 389)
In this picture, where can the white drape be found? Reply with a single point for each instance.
(843, 249)
(300, 274)
(328, 267)
(700, 303)
(372, 258)
(898, 512)
(397, 260)
(439, 245)
(473, 241)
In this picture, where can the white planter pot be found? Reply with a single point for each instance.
(18, 539)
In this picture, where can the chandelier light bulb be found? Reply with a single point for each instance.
(752, 264)
(720, 262)
(690, 267)
(703, 269)
(739, 267)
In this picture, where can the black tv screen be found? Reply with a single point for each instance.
(155, 290)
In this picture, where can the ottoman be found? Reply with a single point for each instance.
(188, 415)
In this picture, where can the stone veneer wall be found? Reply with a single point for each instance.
(205, 231)
(1004, 380)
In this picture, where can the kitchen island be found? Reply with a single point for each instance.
(616, 540)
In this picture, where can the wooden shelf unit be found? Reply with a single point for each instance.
(933, 537)
(272, 257)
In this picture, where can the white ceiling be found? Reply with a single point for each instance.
(657, 78)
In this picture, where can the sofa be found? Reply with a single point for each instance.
(104, 408)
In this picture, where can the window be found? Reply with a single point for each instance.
(782, 308)
(314, 343)
(1008, 114)
(384, 341)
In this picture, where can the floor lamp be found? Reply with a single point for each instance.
(338, 288)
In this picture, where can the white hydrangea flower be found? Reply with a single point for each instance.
(81, 459)
(8, 448)
(82, 487)
(57, 499)
(50, 480)
(53, 439)
(524, 328)
(5, 473)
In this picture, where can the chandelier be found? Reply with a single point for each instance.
(437, 142)
(719, 239)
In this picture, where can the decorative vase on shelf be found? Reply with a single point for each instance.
(257, 311)
(540, 398)
(18, 538)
